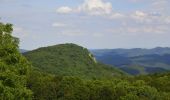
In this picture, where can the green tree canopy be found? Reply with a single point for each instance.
(13, 67)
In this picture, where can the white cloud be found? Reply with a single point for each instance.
(116, 16)
(24, 33)
(72, 33)
(7, 0)
(160, 5)
(143, 30)
(167, 20)
(20, 32)
(98, 35)
(59, 25)
(17, 29)
(140, 16)
(96, 7)
(90, 7)
(149, 17)
(64, 10)
(133, 23)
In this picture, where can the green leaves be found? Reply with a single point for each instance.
(13, 67)
(47, 87)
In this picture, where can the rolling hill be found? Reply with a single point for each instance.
(69, 60)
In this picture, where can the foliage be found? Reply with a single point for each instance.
(13, 67)
(50, 87)
(69, 72)
(160, 81)
(70, 60)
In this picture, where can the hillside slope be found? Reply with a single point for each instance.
(69, 60)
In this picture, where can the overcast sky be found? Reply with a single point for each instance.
(89, 23)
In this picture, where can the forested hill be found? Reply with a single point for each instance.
(69, 60)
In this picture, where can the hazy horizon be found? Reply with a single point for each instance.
(95, 48)
(94, 24)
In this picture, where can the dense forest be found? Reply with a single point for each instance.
(21, 79)
(14, 68)
(70, 60)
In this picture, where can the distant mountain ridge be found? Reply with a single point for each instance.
(136, 61)
(23, 50)
(132, 52)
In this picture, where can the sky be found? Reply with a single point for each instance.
(94, 24)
